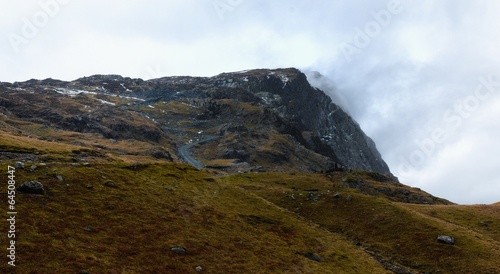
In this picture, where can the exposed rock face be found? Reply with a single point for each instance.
(306, 113)
(266, 117)
(310, 110)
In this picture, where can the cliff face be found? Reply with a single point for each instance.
(265, 119)
(323, 126)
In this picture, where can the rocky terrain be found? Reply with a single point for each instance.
(246, 172)
(267, 119)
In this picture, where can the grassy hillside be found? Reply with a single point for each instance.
(110, 207)
(80, 223)
(400, 233)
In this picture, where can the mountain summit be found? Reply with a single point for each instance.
(263, 119)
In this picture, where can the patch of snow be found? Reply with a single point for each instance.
(283, 78)
(125, 88)
(73, 92)
(150, 106)
(128, 97)
(106, 102)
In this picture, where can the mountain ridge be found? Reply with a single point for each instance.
(287, 102)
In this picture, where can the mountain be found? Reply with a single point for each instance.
(246, 172)
(266, 119)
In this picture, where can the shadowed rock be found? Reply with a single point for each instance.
(31, 187)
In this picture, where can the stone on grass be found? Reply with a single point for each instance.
(312, 256)
(110, 184)
(178, 250)
(31, 187)
(19, 165)
(446, 239)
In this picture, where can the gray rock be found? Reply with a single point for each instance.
(312, 196)
(405, 192)
(198, 269)
(446, 239)
(60, 178)
(31, 187)
(110, 184)
(88, 229)
(33, 167)
(161, 154)
(312, 256)
(19, 165)
(178, 250)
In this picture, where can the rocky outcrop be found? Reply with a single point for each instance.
(300, 109)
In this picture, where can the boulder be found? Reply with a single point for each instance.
(312, 256)
(161, 154)
(178, 250)
(19, 165)
(31, 187)
(110, 184)
(446, 239)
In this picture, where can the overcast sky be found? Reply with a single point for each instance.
(422, 78)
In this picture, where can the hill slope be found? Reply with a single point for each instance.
(339, 222)
(117, 198)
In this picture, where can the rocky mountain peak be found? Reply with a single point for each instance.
(271, 118)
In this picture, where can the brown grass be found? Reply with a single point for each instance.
(247, 223)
